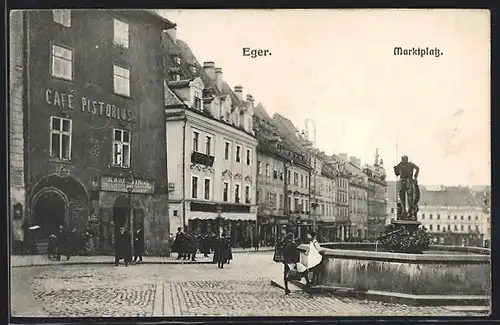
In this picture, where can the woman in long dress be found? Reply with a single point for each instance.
(314, 258)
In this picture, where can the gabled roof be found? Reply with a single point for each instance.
(171, 99)
(456, 196)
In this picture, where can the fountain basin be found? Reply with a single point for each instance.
(444, 275)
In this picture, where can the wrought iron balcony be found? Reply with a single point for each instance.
(202, 159)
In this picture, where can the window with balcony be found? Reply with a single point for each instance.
(121, 148)
(62, 62)
(194, 187)
(62, 17)
(60, 138)
(208, 147)
(225, 191)
(196, 141)
(121, 81)
(121, 33)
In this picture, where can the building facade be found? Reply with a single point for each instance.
(376, 197)
(88, 121)
(358, 198)
(343, 219)
(213, 177)
(452, 215)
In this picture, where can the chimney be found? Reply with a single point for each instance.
(238, 90)
(352, 160)
(343, 157)
(218, 78)
(172, 32)
(358, 162)
(209, 68)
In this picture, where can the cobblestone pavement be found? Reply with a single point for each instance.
(240, 289)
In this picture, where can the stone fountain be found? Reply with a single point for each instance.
(407, 269)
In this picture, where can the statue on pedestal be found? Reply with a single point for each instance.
(409, 192)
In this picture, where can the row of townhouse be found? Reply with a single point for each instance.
(92, 146)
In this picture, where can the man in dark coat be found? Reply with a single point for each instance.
(256, 242)
(122, 247)
(179, 243)
(290, 256)
(138, 243)
(63, 246)
(193, 245)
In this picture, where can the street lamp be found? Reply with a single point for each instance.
(130, 188)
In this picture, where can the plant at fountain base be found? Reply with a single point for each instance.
(404, 241)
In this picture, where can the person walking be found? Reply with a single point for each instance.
(122, 247)
(138, 243)
(179, 242)
(256, 242)
(221, 250)
(314, 258)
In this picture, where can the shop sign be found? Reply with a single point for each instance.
(87, 105)
(120, 184)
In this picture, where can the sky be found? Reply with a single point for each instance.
(338, 68)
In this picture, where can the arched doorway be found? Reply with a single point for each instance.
(50, 211)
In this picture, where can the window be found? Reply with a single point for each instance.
(289, 177)
(249, 156)
(302, 205)
(455, 217)
(301, 180)
(196, 139)
(455, 227)
(194, 187)
(176, 213)
(289, 203)
(430, 217)
(225, 192)
(392, 210)
(469, 227)
(208, 141)
(469, 217)
(176, 77)
(247, 194)
(275, 174)
(477, 218)
(307, 181)
(438, 227)
(430, 227)
(461, 227)
(62, 62)
(237, 193)
(296, 204)
(177, 59)
(281, 201)
(238, 148)
(121, 34)
(438, 216)
(121, 81)
(449, 217)
(121, 148)
(226, 150)
(62, 16)
(423, 216)
(197, 100)
(449, 227)
(461, 217)
(267, 170)
(259, 168)
(60, 138)
(295, 178)
(477, 228)
(206, 192)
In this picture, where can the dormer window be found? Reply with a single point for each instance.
(193, 69)
(176, 77)
(176, 58)
(197, 103)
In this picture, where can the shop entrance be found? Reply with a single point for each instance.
(120, 212)
(49, 211)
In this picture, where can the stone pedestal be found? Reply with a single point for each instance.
(410, 225)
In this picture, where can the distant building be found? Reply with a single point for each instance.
(358, 197)
(392, 198)
(345, 227)
(377, 197)
(453, 215)
(210, 129)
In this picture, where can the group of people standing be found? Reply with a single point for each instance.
(187, 245)
(124, 249)
(287, 253)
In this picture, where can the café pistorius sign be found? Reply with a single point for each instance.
(87, 105)
(119, 184)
